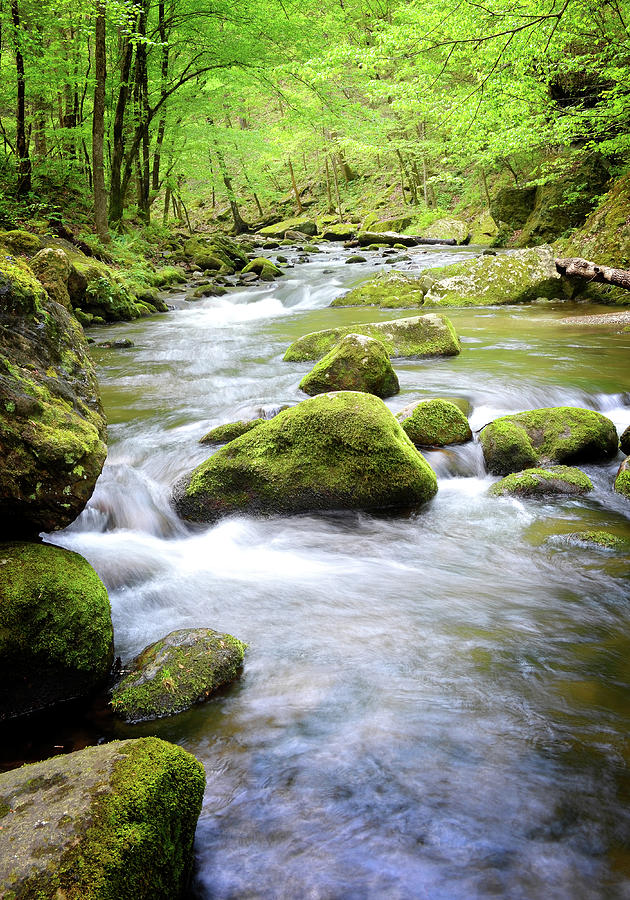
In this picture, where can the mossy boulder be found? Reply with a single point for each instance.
(513, 205)
(341, 231)
(98, 290)
(562, 480)
(208, 251)
(356, 363)
(448, 229)
(416, 337)
(21, 242)
(113, 822)
(622, 481)
(624, 441)
(176, 672)
(483, 230)
(52, 428)
(56, 639)
(387, 290)
(435, 423)
(543, 437)
(302, 224)
(51, 267)
(394, 224)
(337, 451)
(517, 276)
(597, 540)
(605, 235)
(228, 432)
(169, 275)
(264, 268)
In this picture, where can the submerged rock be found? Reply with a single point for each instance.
(516, 276)
(559, 434)
(622, 481)
(435, 423)
(564, 480)
(356, 363)
(52, 428)
(337, 451)
(56, 639)
(176, 672)
(597, 540)
(415, 337)
(117, 820)
(388, 290)
(228, 432)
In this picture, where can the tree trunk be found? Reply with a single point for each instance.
(155, 174)
(575, 267)
(24, 183)
(300, 208)
(116, 197)
(331, 206)
(167, 200)
(334, 168)
(98, 124)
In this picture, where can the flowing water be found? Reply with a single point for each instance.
(432, 706)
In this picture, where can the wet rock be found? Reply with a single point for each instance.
(356, 363)
(120, 344)
(51, 267)
(169, 275)
(180, 670)
(622, 480)
(561, 434)
(415, 337)
(270, 245)
(304, 225)
(535, 482)
(209, 290)
(435, 423)
(517, 276)
(448, 229)
(387, 290)
(337, 451)
(355, 258)
(52, 428)
(56, 639)
(624, 441)
(264, 268)
(228, 432)
(217, 252)
(597, 540)
(342, 231)
(117, 820)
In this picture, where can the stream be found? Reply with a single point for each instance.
(434, 705)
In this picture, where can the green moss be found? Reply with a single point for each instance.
(21, 242)
(562, 434)
(416, 337)
(604, 540)
(622, 481)
(228, 432)
(436, 423)
(356, 363)
(537, 482)
(168, 275)
(56, 637)
(177, 672)
(448, 229)
(301, 223)
(605, 236)
(340, 450)
(518, 276)
(20, 292)
(388, 290)
(263, 267)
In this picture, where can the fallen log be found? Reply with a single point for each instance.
(365, 238)
(575, 267)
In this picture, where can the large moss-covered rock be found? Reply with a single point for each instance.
(605, 236)
(335, 451)
(301, 223)
(52, 429)
(228, 432)
(356, 363)
(624, 441)
(448, 229)
(176, 672)
(20, 242)
(483, 230)
(435, 423)
(97, 290)
(264, 268)
(517, 276)
(387, 290)
(513, 205)
(398, 223)
(51, 267)
(555, 480)
(56, 639)
(622, 481)
(416, 337)
(215, 252)
(113, 822)
(340, 231)
(560, 434)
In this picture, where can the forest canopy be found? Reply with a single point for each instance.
(166, 100)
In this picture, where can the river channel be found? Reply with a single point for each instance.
(432, 706)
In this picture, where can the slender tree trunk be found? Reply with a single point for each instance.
(167, 200)
(116, 194)
(98, 124)
(24, 183)
(331, 205)
(155, 174)
(484, 182)
(334, 168)
(300, 208)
